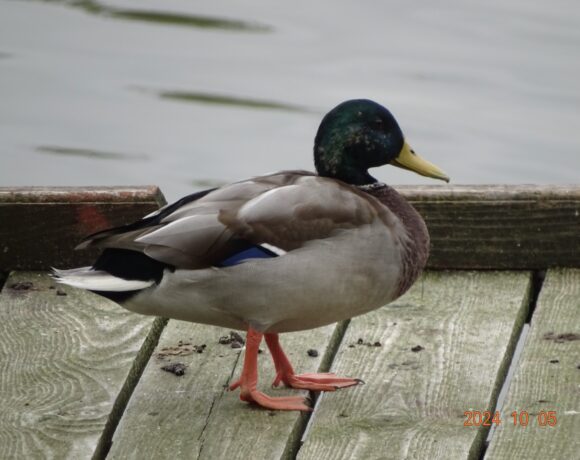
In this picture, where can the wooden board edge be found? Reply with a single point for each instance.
(76, 195)
(496, 193)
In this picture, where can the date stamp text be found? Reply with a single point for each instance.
(544, 418)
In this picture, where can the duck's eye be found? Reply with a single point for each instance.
(378, 123)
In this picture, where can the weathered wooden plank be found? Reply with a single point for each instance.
(167, 413)
(472, 227)
(500, 226)
(194, 416)
(64, 358)
(40, 226)
(547, 378)
(233, 432)
(445, 348)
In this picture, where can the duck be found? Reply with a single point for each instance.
(277, 253)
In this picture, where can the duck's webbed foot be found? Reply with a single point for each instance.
(312, 381)
(249, 379)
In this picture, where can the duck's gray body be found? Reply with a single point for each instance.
(344, 250)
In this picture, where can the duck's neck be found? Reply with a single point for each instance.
(342, 168)
(416, 243)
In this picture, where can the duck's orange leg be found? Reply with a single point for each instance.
(314, 382)
(249, 380)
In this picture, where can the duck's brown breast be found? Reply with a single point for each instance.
(415, 242)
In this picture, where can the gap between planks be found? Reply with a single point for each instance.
(301, 431)
(120, 404)
(538, 278)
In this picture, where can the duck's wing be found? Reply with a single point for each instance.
(123, 235)
(312, 208)
(285, 210)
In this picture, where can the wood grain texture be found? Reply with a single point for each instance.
(40, 226)
(472, 227)
(194, 417)
(413, 403)
(547, 378)
(240, 432)
(63, 362)
(500, 226)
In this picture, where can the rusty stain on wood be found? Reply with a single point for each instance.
(40, 227)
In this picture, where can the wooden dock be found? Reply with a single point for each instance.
(82, 378)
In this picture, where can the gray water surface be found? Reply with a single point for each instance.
(188, 94)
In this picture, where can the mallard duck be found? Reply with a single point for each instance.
(277, 253)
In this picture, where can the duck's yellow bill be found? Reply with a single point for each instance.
(408, 159)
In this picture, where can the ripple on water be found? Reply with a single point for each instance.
(90, 153)
(165, 17)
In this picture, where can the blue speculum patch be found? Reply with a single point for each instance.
(254, 252)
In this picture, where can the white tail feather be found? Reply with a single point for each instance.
(95, 280)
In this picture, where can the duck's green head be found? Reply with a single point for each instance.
(360, 134)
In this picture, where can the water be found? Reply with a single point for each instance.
(190, 94)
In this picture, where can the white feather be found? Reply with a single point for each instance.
(94, 280)
(275, 249)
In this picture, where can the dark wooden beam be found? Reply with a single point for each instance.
(472, 227)
(40, 226)
(500, 226)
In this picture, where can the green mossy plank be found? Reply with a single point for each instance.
(64, 360)
(444, 349)
(547, 378)
(194, 416)
(63, 216)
